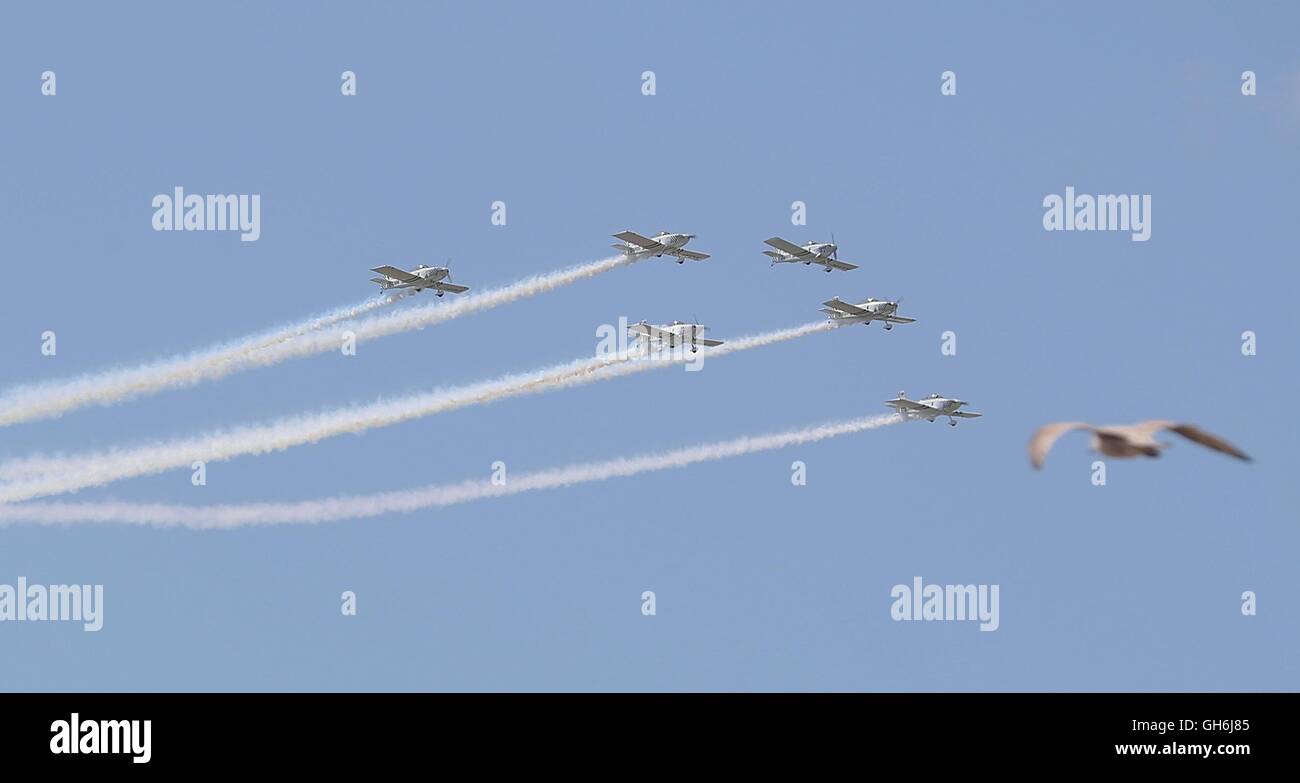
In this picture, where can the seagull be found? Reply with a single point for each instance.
(1125, 440)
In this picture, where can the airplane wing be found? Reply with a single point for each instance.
(653, 332)
(634, 238)
(787, 247)
(906, 405)
(691, 254)
(843, 266)
(710, 343)
(397, 274)
(898, 319)
(966, 414)
(843, 307)
(452, 287)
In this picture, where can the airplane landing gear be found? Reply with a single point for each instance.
(952, 422)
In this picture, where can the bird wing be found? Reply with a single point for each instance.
(1141, 432)
(1194, 433)
(1043, 438)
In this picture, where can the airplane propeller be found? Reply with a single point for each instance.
(697, 328)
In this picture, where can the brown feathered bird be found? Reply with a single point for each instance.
(1126, 440)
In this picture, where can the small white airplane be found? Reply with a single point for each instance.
(865, 312)
(825, 253)
(931, 408)
(436, 277)
(662, 244)
(672, 335)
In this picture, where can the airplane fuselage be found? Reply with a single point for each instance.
(822, 252)
(942, 405)
(678, 333)
(429, 278)
(876, 311)
(670, 242)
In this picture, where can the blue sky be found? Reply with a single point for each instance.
(760, 584)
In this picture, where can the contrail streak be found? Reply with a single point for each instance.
(54, 398)
(39, 476)
(26, 403)
(364, 506)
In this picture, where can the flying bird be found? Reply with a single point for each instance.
(1125, 440)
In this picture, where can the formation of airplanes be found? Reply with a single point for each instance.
(635, 246)
(681, 333)
(1113, 441)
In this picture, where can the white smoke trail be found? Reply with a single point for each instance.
(323, 341)
(55, 398)
(364, 506)
(39, 476)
